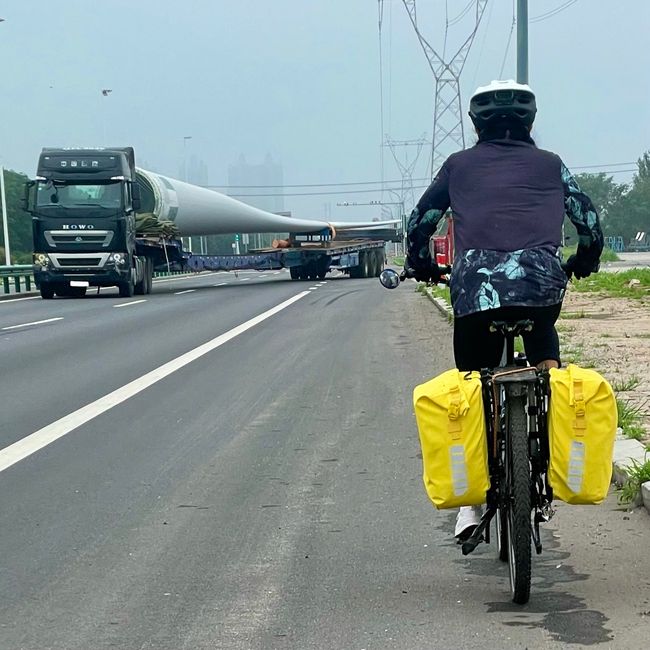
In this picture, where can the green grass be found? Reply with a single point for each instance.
(629, 419)
(638, 474)
(622, 385)
(573, 315)
(397, 261)
(616, 284)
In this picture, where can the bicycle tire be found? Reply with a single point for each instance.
(519, 508)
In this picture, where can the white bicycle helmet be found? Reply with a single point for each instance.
(502, 99)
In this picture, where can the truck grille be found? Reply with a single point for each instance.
(75, 260)
(101, 238)
(81, 261)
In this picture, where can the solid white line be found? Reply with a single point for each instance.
(178, 293)
(36, 322)
(48, 434)
(8, 300)
(133, 302)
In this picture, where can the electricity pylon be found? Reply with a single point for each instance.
(447, 116)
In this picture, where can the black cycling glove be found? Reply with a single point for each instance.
(578, 267)
(429, 273)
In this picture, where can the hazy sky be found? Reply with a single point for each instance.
(299, 79)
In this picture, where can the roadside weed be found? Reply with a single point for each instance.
(638, 474)
(629, 419)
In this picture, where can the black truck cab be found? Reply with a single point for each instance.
(83, 204)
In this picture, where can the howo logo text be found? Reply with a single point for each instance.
(81, 226)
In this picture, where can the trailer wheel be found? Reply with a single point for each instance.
(322, 267)
(47, 291)
(366, 264)
(379, 262)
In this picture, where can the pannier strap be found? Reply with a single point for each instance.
(453, 413)
(580, 422)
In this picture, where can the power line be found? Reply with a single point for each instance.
(552, 12)
(512, 29)
(390, 189)
(378, 182)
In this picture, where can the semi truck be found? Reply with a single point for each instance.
(86, 203)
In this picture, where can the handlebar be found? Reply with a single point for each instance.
(390, 279)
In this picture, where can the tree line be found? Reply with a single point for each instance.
(624, 208)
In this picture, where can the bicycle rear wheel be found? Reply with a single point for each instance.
(518, 493)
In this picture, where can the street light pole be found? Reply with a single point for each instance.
(522, 41)
(185, 139)
(5, 217)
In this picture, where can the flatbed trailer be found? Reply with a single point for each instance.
(307, 257)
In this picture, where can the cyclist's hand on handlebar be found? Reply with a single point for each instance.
(575, 266)
(430, 273)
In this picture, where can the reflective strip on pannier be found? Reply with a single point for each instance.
(582, 420)
(451, 424)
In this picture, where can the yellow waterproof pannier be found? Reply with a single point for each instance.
(582, 422)
(451, 423)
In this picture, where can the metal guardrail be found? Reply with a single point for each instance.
(19, 275)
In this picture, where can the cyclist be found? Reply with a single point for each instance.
(508, 200)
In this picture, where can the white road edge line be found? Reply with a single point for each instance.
(178, 293)
(133, 302)
(8, 300)
(36, 322)
(35, 441)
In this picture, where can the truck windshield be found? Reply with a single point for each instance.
(67, 195)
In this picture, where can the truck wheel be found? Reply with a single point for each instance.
(149, 275)
(126, 289)
(47, 291)
(294, 272)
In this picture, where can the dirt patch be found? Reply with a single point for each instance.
(611, 335)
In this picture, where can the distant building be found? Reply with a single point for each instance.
(267, 174)
(196, 171)
(245, 179)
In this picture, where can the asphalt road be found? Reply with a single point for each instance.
(209, 485)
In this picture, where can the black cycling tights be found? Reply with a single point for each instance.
(475, 347)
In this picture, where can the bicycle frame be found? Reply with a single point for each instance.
(515, 394)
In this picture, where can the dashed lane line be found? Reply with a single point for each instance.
(34, 442)
(36, 322)
(179, 293)
(128, 304)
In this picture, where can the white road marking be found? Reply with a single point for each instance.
(221, 284)
(36, 322)
(243, 279)
(6, 302)
(133, 302)
(320, 284)
(32, 443)
(312, 288)
(178, 293)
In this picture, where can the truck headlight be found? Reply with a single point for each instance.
(41, 259)
(118, 258)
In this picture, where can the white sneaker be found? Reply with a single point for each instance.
(468, 518)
